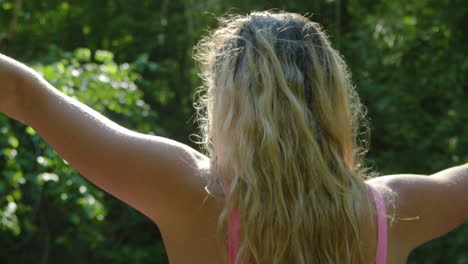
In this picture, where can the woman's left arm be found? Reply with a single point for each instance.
(155, 175)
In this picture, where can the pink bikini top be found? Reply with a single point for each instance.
(381, 256)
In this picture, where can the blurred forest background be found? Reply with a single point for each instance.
(131, 60)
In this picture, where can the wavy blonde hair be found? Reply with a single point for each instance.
(280, 120)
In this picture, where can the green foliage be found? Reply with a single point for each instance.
(408, 60)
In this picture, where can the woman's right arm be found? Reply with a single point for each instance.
(426, 207)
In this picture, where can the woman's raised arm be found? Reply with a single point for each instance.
(155, 175)
(426, 207)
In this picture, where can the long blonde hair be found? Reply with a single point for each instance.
(280, 120)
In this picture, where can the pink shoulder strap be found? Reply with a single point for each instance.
(381, 257)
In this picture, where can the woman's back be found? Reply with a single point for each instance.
(381, 223)
(198, 242)
(416, 214)
(193, 240)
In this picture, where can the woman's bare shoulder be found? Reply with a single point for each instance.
(424, 207)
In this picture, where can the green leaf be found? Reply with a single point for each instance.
(104, 56)
(7, 6)
(10, 198)
(30, 131)
(82, 54)
(13, 142)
